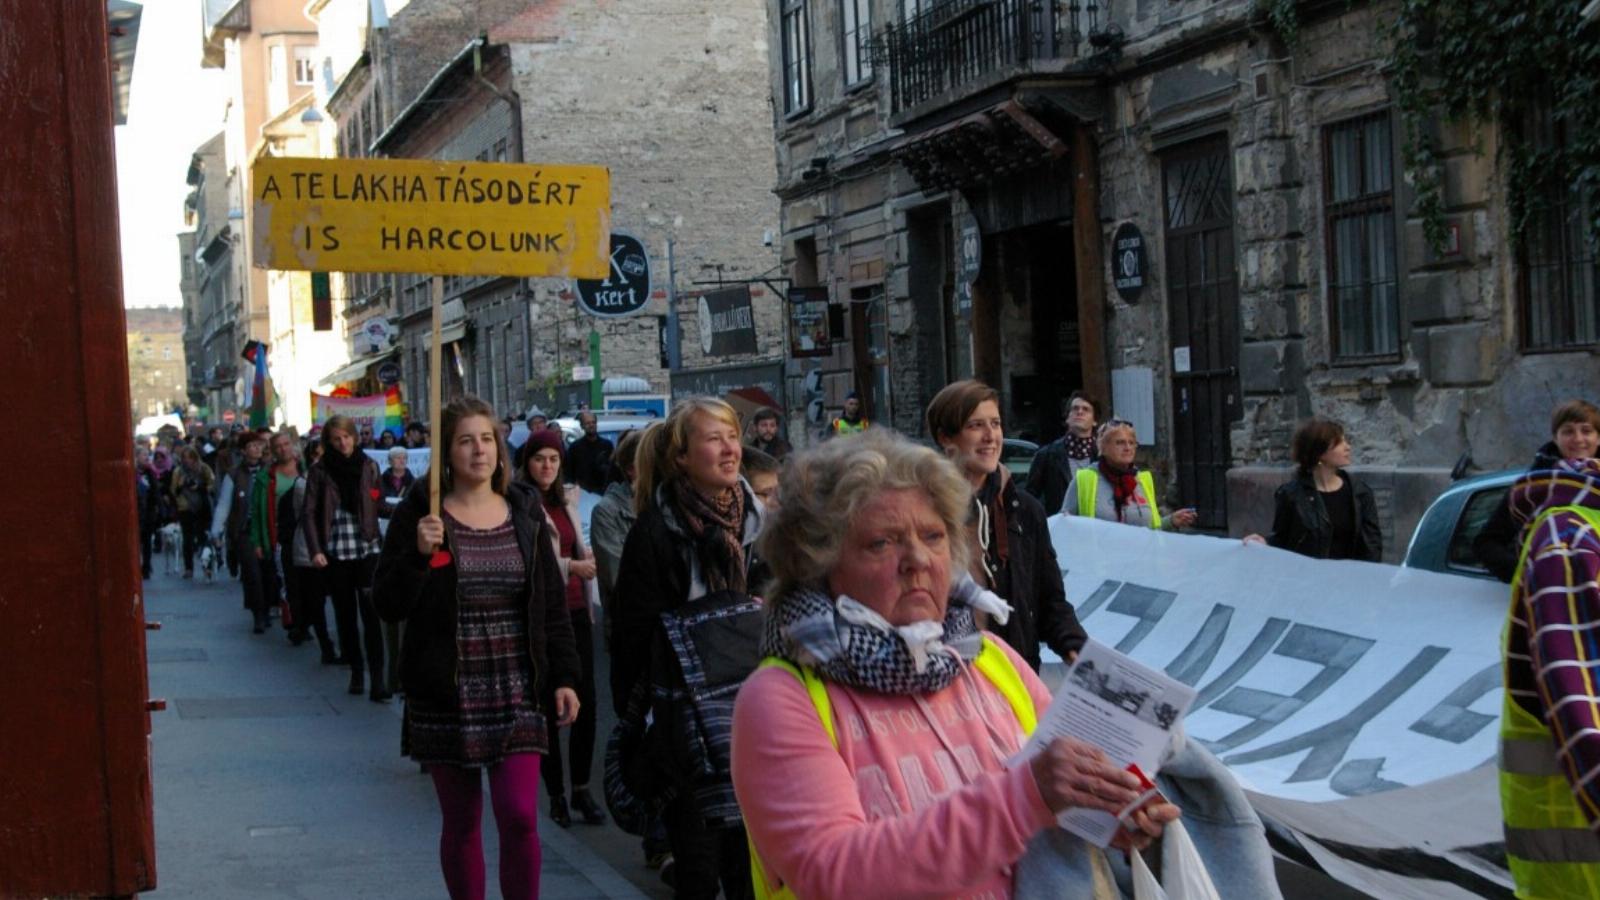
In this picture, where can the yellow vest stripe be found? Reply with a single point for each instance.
(992, 662)
(1550, 847)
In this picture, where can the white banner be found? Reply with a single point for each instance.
(1318, 680)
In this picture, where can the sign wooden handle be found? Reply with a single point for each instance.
(436, 440)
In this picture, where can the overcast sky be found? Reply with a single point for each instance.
(175, 107)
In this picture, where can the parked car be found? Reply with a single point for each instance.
(611, 424)
(1017, 455)
(1444, 535)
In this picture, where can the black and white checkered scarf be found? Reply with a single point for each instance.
(847, 642)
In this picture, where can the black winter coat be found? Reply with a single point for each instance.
(1498, 544)
(407, 589)
(1300, 520)
(659, 572)
(1038, 598)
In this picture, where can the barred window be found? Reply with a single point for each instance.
(1560, 269)
(796, 57)
(1363, 283)
(855, 29)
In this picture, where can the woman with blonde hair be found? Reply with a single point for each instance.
(692, 544)
(340, 525)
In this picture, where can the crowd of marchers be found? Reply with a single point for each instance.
(820, 660)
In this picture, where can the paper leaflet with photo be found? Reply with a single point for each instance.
(1125, 708)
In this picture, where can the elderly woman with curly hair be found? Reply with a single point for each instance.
(870, 750)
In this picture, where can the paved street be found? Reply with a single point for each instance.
(271, 781)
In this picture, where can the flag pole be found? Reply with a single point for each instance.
(436, 441)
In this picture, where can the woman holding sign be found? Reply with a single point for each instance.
(481, 593)
(869, 751)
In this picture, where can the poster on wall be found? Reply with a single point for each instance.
(808, 322)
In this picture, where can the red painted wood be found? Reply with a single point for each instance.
(74, 734)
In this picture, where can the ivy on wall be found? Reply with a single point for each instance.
(1501, 62)
(1496, 61)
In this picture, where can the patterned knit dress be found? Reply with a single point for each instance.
(498, 705)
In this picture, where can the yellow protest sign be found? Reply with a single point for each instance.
(448, 218)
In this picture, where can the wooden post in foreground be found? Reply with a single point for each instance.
(436, 440)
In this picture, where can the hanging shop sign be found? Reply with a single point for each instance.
(727, 322)
(405, 215)
(1128, 262)
(389, 373)
(625, 289)
(808, 322)
(969, 262)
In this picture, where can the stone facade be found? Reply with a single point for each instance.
(670, 97)
(1254, 343)
(211, 304)
(157, 372)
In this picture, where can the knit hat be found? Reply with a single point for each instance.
(540, 439)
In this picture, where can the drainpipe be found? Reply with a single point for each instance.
(524, 289)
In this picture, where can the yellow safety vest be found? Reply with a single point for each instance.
(992, 662)
(1087, 481)
(841, 427)
(1551, 850)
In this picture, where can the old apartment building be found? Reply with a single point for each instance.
(1164, 203)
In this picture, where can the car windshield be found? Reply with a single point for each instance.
(1475, 515)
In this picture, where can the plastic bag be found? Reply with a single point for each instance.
(1185, 871)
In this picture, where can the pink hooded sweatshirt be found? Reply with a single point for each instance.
(897, 809)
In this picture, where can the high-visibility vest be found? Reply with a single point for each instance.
(992, 662)
(1551, 850)
(1087, 481)
(842, 427)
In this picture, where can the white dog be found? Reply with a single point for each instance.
(208, 561)
(172, 547)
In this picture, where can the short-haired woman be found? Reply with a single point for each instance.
(1009, 543)
(539, 464)
(1114, 489)
(340, 524)
(697, 523)
(480, 590)
(905, 789)
(1323, 511)
(1574, 434)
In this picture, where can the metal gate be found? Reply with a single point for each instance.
(1203, 322)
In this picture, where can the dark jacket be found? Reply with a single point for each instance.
(322, 498)
(406, 588)
(1300, 520)
(1040, 611)
(777, 448)
(589, 460)
(240, 482)
(390, 489)
(1499, 544)
(1050, 473)
(659, 572)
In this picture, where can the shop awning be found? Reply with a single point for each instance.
(358, 369)
(449, 334)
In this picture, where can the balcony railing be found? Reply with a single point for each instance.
(957, 43)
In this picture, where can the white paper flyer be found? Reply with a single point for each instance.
(1125, 708)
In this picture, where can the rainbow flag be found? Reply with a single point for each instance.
(380, 411)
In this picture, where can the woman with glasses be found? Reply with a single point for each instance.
(1117, 490)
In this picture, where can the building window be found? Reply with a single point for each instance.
(855, 18)
(796, 57)
(1560, 282)
(1363, 287)
(305, 65)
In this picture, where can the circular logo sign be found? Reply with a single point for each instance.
(389, 373)
(969, 249)
(706, 325)
(1128, 265)
(626, 289)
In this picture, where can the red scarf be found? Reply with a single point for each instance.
(1123, 484)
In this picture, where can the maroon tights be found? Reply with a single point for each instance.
(514, 792)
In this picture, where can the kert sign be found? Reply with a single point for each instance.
(407, 215)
